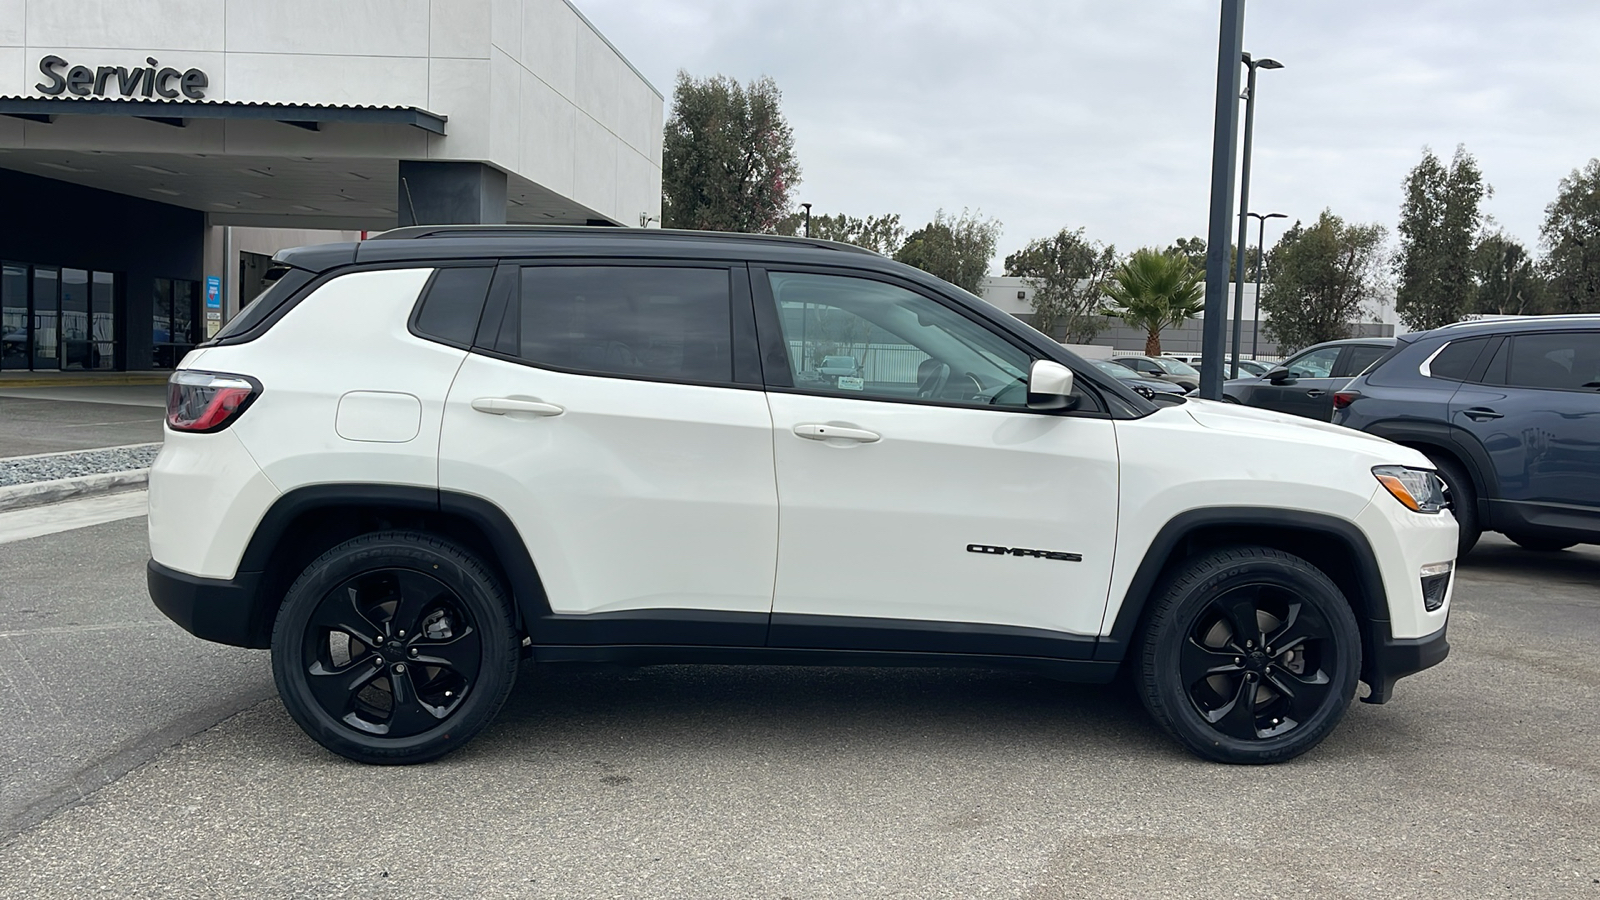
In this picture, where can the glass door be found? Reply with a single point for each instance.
(77, 351)
(13, 316)
(102, 319)
(46, 318)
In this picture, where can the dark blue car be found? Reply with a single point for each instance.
(1509, 411)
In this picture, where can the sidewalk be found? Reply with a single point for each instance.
(18, 379)
(60, 440)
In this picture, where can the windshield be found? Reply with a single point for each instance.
(1174, 367)
(1116, 370)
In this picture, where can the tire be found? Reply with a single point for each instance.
(1463, 502)
(441, 643)
(1237, 699)
(1541, 545)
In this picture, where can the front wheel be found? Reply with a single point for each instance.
(1250, 656)
(395, 647)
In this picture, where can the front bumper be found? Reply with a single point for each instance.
(216, 609)
(1390, 659)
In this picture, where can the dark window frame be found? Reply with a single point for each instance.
(504, 304)
(778, 368)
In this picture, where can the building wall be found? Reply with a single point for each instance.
(53, 223)
(527, 85)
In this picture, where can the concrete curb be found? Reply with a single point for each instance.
(37, 493)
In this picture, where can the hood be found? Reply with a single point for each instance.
(1265, 424)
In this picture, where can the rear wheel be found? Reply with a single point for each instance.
(395, 647)
(1541, 545)
(1250, 656)
(1463, 502)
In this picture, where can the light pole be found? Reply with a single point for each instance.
(807, 208)
(1244, 200)
(1261, 255)
(1224, 150)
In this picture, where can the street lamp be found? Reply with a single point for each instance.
(1244, 200)
(1261, 255)
(807, 208)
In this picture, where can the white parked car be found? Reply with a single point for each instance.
(415, 461)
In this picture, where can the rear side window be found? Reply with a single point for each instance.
(451, 306)
(1561, 360)
(653, 322)
(1454, 362)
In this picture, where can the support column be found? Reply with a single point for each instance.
(451, 193)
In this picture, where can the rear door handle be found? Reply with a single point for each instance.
(836, 433)
(1315, 392)
(1482, 414)
(499, 406)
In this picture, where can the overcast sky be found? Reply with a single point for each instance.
(1052, 113)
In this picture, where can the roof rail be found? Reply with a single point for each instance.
(414, 232)
(1491, 318)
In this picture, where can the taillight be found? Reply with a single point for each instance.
(1342, 399)
(207, 401)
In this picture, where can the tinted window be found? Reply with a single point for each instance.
(1454, 362)
(1316, 364)
(904, 346)
(1357, 359)
(286, 282)
(640, 321)
(1555, 360)
(450, 309)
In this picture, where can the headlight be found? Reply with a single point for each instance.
(1419, 489)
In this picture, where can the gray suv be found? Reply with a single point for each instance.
(1509, 412)
(1304, 385)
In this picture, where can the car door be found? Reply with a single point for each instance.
(1308, 391)
(1535, 411)
(615, 413)
(924, 507)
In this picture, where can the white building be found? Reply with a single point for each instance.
(131, 133)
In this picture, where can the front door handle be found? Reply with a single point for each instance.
(1315, 392)
(1482, 414)
(499, 406)
(836, 433)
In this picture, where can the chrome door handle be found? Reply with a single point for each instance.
(499, 406)
(1315, 392)
(836, 433)
(1482, 414)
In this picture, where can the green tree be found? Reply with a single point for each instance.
(1154, 291)
(1571, 237)
(880, 234)
(1439, 225)
(1508, 282)
(955, 248)
(1067, 273)
(1323, 277)
(1194, 250)
(727, 157)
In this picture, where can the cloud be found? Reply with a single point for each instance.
(1053, 113)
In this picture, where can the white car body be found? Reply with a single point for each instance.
(634, 496)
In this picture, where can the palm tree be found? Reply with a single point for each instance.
(1155, 290)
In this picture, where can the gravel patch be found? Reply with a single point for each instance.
(51, 466)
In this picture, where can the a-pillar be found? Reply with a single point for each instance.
(451, 193)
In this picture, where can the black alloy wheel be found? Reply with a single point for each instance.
(394, 648)
(1251, 656)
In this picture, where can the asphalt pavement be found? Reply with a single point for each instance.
(1480, 778)
(57, 419)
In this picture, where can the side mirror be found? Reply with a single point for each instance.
(1279, 375)
(1050, 386)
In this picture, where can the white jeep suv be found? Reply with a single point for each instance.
(417, 460)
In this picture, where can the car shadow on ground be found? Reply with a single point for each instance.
(1501, 557)
(821, 708)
